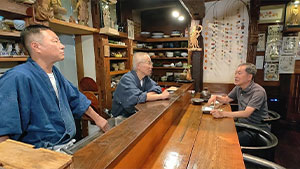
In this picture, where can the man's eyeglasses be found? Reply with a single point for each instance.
(148, 63)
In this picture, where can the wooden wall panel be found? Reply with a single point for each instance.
(219, 88)
(297, 67)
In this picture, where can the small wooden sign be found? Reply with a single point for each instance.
(106, 51)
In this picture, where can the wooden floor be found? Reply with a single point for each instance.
(287, 151)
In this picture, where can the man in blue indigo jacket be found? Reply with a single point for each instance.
(136, 87)
(38, 104)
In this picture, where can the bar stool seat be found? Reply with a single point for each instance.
(264, 142)
(256, 162)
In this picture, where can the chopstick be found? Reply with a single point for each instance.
(214, 104)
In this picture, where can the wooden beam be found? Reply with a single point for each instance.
(79, 58)
(253, 30)
(196, 8)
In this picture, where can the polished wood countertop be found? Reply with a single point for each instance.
(166, 134)
(107, 150)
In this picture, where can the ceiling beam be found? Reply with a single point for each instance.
(196, 8)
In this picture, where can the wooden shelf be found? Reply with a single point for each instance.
(176, 68)
(171, 58)
(113, 32)
(160, 49)
(13, 59)
(116, 58)
(10, 33)
(163, 39)
(19, 9)
(117, 46)
(71, 28)
(118, 72)
(292, 29)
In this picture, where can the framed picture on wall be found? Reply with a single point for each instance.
(271, 14)
(292, 15)
(261, 45)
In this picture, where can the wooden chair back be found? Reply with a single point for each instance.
(88, 84)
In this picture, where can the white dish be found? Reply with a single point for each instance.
(158, 34)
(145, 33)
(151, 54)
(159, 46)
(184, 54)
(156, 37)
(175, 34)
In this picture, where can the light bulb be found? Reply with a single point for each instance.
(181, 18)
(175, 14)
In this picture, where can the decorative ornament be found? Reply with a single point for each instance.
(83, 12)
(194, 34)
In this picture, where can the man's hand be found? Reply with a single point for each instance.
(103, 124)
(212, 99)
(165, 94)
(3, 138)
(217, 113)
(152, 96)
(100, 121)
(221, 99)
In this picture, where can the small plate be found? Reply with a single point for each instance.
(207, 109)
(197, 101)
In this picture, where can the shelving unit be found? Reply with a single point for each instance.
(11, 9)
(160, 49)
(15, 34)
(117, 46)
(13, 59)
(112, 73)
(170, 68)
(158, 69)
(71, 28)
(116, 58)
(104, 70)
(172, 58)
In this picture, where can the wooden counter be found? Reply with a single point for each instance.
(14, 154)
(165, 134)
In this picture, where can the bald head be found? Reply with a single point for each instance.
(139, 57)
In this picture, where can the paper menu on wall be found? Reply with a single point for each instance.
(259, 62)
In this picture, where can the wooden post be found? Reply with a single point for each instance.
(79, 57)
(253, 30)
(197, 61)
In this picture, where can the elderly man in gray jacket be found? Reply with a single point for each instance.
(136, 87)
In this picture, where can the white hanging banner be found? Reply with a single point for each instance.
(225, 37)
(130, 26)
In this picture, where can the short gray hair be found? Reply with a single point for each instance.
(30, 33)
(250, 69)
(138, 57)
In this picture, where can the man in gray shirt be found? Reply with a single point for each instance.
(252, 102)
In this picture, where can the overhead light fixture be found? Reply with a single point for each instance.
(181, 18)
(175, 14)
(296, 2)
